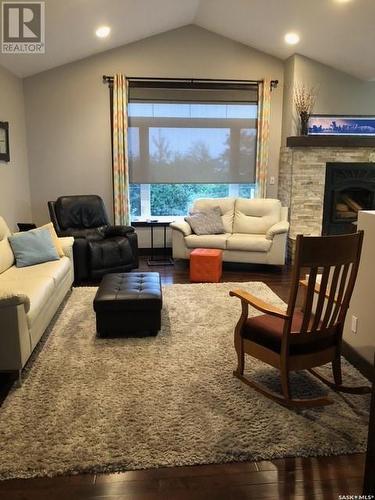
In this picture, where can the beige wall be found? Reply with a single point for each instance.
(339, 93)
(15, 203)
(289, 116)
(68, 107)
(362, 303)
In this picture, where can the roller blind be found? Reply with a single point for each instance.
(192, 135)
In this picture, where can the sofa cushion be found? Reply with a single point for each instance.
(207, 241)
(57, 270)
(226, 206)
(248, 242)
(255, 216)
(6, 254)
(39, 289)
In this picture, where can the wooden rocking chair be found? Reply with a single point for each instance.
(310, 337)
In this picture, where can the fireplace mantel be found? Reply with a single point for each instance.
(330, 141)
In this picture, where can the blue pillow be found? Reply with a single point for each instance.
(33, 247)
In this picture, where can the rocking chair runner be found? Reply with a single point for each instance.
(295, 339)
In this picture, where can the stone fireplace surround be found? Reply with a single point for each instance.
(302, 177)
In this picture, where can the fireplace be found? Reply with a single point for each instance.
(349, 188)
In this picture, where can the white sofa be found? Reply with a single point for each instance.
(255, 231)
(29, 298)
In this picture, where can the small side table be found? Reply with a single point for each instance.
(164, 259)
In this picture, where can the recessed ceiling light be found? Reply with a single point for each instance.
(343, 1)
(103, 31)
(291, 38)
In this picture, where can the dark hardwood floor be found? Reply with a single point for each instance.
(290, 478)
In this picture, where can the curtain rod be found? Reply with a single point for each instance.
(109, 79)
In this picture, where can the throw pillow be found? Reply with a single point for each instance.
(33, 247)
(206, 222)
(55, 238)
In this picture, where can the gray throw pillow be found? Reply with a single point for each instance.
(206, 222)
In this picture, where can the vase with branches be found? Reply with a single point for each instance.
(304, 101)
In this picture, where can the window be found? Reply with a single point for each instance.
(189, 143)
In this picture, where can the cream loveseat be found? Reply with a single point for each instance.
(29, 298)
(255, 231)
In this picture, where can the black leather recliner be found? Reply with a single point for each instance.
(99, 248)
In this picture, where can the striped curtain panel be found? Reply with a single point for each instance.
(120, 163)
(264, 112)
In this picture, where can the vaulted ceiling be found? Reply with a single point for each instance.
(339, 33)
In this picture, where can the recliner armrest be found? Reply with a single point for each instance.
(182, 226)
(117, 231)
(9, 298)
(278, 228)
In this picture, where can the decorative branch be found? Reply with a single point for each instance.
(304, 101)
(304, 98)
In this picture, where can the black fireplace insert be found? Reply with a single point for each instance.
(349, 188)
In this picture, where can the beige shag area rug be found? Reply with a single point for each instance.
(90, 404)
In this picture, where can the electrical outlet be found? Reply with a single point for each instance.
(272, 180)
(354, 324)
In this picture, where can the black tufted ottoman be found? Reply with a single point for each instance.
(128, 304)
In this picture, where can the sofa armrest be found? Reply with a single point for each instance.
(9, 298)
(182, 226)
(67, 245)
(278, 228)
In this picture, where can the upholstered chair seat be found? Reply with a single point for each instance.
(109, 253)
(267, 331)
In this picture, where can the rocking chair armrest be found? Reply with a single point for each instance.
(259, 303)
